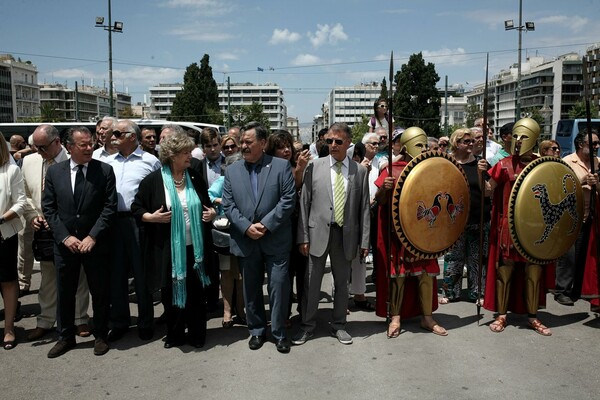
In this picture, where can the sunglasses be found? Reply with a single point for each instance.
(230, 147)
(339, 142)
(118, 134)
(44, 148)
(466, 141)
(555, 148)
(382, 106)
(374, 143)
(444, 144)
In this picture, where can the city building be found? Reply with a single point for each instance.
(593, 70)
(292, 127)
(350, 104)
(87, 103)
(19, 90)
(456, 111)
(269, 95)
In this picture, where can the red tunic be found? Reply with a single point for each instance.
(410, 303)
(590, 289)
(505, 173)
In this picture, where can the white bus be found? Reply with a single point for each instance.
(26, 128)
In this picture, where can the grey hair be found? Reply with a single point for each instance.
(369, 136)
(173, 145)
(173, 127)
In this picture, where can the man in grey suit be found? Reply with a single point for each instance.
(334, 222)
(259, 198)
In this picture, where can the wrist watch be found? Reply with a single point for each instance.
(1, 220)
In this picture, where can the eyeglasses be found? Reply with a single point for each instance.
(373, 143)
(595, 144)
(339, 142)
(44, 148)
(443, 144)
(382, 106)
(230, 147)
(383, 138)
(118, 134)
(555, 148)
(465, 141)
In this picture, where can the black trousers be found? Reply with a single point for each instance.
(68, 266)
(193, 316)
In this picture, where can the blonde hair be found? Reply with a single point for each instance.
(458, 135)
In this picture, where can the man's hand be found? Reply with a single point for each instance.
(388, 183)
(38, 223)
(72, 243)
(256, 231)
(304, 248)
(87, 244)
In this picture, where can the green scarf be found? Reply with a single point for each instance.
(178, 243)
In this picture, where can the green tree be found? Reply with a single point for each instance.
(241, 115)
(417, 101)
(198, 101)
(127, 112)
(384, 90)
(578, 110)
(48, 112)
(472, 112)
(360, 128)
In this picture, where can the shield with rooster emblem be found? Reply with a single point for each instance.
(545, 210)
(430, 204)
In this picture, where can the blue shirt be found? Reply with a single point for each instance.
(129, 172)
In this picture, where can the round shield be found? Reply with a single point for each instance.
(545, 210)
(430, 204)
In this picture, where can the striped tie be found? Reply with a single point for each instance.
(338, 195)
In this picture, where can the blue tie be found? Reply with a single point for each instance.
(254, 181)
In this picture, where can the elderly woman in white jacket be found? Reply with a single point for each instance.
(12, 206)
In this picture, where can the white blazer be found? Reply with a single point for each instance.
(12, 197)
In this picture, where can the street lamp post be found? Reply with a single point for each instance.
(529, 26)
(117, 27)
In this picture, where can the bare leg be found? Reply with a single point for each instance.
(425, 297)
(10, 293)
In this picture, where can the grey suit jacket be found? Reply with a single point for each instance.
(274, 207)
(316, 208)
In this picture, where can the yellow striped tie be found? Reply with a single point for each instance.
(338, 195)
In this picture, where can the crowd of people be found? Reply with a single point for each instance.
(195, 219)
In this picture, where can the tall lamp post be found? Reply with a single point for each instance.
(529, 26)
(117, 27)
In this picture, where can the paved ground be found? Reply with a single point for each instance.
(471, 363)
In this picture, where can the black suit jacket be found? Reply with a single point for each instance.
(156, 242)
(95, 211)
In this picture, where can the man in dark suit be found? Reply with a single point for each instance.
(334, 222)
(79, 204)
(258, 198)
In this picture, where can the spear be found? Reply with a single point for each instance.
(482, 188)
(391, 192)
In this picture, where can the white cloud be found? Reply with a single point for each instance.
(227, 56)
(306, 59)
(147, 76)
(574, 23)
(284, 36)
(446, 56)
(205, 7)
(202, 33)
(327, 34)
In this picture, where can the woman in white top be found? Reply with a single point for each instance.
(380, 116)
(12, 206)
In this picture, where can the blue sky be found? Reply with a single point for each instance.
(311, 46)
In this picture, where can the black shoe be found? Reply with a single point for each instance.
(256, 342)
(100, 347)
(563, 299)
(227, 324)
(162, 319)
(283, 345)
(61, 347)
(170, 343)
(301, 337)
(145, 333)
(116, 334)
(24, 292)
(197, 343)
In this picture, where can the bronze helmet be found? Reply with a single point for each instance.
(527, 131)
(414, 141)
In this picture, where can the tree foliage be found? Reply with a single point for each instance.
(578, 110)
(49, 112)
(472, 112)
(417, 101)
(198, 101)
(241, 115)
(360, 128)
(384, 90)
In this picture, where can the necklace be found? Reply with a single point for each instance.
(178, 183)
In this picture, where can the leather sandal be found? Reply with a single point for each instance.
(540, 328)
(498, 325)
(435, 328)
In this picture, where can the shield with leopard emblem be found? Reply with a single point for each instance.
(545, 211)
